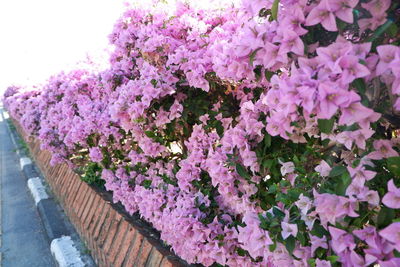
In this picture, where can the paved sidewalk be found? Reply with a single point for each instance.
(23, 240)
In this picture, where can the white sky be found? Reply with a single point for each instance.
(39, 38)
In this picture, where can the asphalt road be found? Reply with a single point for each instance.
(23, 241)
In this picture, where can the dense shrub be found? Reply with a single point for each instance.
(256, 134)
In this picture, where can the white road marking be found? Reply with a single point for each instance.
(65, 252)
(24, 161)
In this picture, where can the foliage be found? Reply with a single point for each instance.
(263, 133)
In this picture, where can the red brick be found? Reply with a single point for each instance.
(64, 189)
(87, 209)
(77, 203)
(69, 189)
(64, 176)
(143, 253)
(74, 191)
(166, 263)
(133, 251)
(99, 212)
(100, 222)
(92, 211)
(85, 202)
(155, 258)
(111, 233)
(125, 245)
(117, 241)
(106, 227)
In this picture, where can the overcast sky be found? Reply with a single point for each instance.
(39, 38)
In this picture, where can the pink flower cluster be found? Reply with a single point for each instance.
(261, 133)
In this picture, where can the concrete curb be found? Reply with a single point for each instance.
(62, 246)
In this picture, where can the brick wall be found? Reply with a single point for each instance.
(113, 237)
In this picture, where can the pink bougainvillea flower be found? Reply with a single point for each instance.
(341, 240)
(331, 208)
(356, 260)
(347, 207)
(387, 54)
(344, 9)
(354, 113)
(291, 42)
(360, 136)
(376, 7)
(371, 196)
(372, 23)
(322, 14)
(287, 167)
(323, 168)
(345, 139)
(360, 172)
(397, 104)
(383, 149)
(392, 197)
(330, 98)
(393, 262)
(288, 229)
(368, 234)
(392, 234)
(322, 263)
(95, 154)
(294, 20)
(317, 242)
(304, 204)
(352, 69)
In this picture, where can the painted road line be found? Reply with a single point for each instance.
(37, 189)
(65, 252)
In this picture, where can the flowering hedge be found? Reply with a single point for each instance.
(262, 133)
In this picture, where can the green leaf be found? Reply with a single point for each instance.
(337, 170)
(219, 128)
(392, 30)
(359, 84)
(268, 75)
(290, 243)
(385, 217)
(150, 134)
(319, 230)
(241, 170)
(267, 140)
(311, 262)
(345, 181)
(146, 184)
(267, 163)
(154, 82)
(272, 247)
(393, 165)
(274, 9)
(378, 32)
(332, 258)
(326, 126)
(273, 189)
(301, 237)
(240, 251)
(277, 212)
